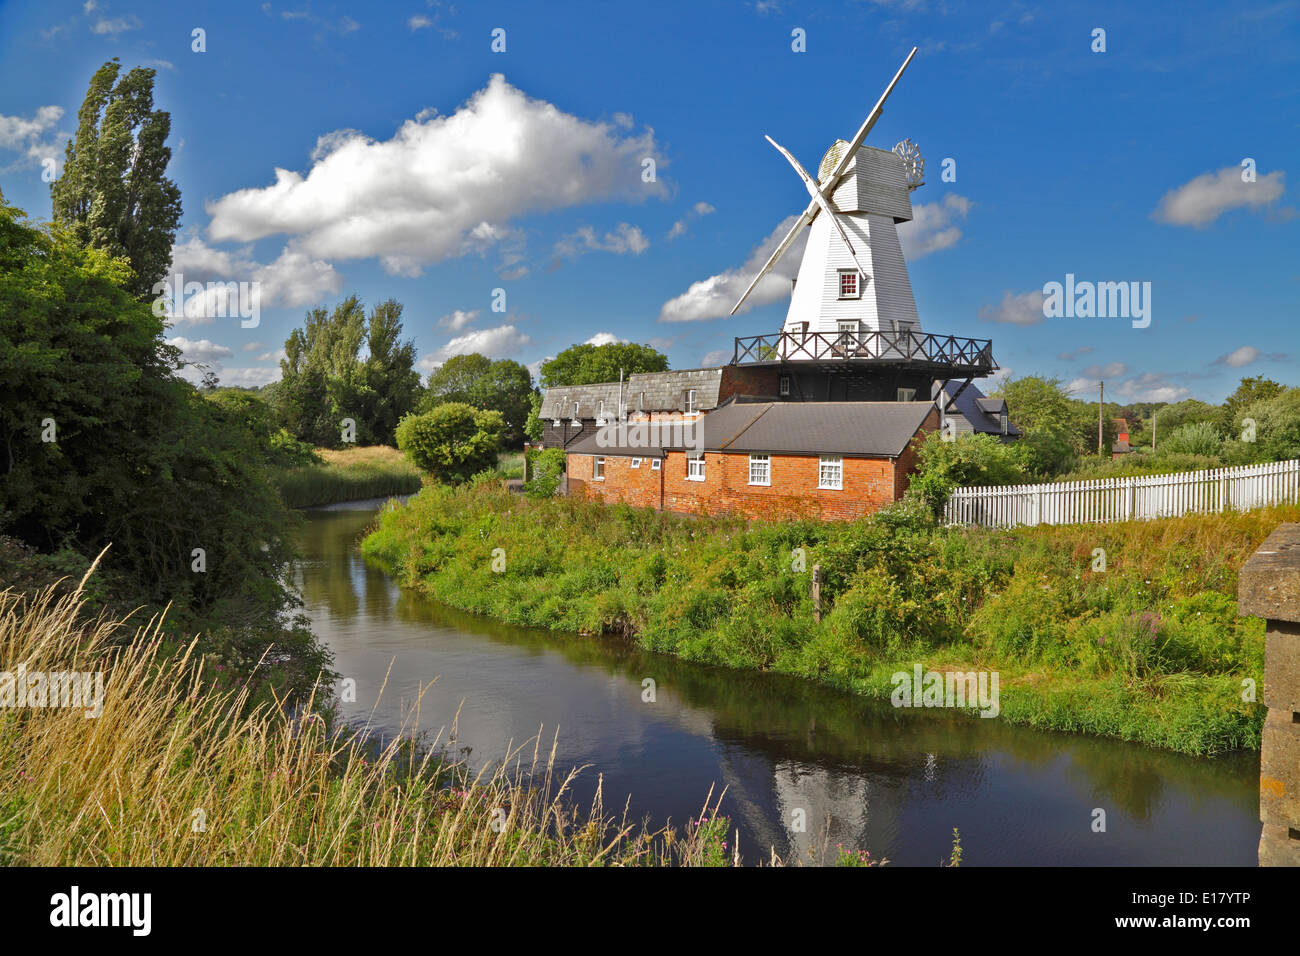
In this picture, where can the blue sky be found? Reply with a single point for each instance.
(420, 164)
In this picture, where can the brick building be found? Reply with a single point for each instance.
(832, 460)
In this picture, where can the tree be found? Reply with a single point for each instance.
(324, 380)
(586, 364)
(1250, 391)
(504, 386)
(968, 460)
(114, 194)
(1194, 438)
(453, 442)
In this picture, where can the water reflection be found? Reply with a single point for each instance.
(797, 760)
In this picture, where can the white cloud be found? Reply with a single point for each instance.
(458, 319)
(698, 211)
(249, 377)
(1109, 370)
(713, 297)
(443, 186)
(623, 240)
(419, 22)
(199, 350)
(272, 356)
(106, 27)
(604, 338)
(292, 280)
(1023, 309)
(504, 341)
(252, 346)
(1246, 355)
(932, 227)
(28, 136)
(1210, 195)
(716, 357)
(1147, 387)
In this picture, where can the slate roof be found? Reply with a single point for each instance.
(662, 390)
(853, 429)
(977, 410)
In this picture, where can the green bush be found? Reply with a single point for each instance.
(452, 442)
(1194, 438)
(545, 469)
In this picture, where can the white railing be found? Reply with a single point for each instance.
(1128, 499)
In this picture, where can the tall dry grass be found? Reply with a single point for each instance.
(176, 772)
(348, 474)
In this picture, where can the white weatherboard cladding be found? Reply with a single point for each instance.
(875, 182)
(886, 302)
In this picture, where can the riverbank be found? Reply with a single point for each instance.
(1147, 650)
(175, 768)
(349, 474)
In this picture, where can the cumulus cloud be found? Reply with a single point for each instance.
(443, 186)
(933, 226)
(604, 338)
(419, 22)
(199, 350)
(713, 297)
(1208, 196)
(458, 319)
(294, 279)
(1147, 387)
(1109, 370)
(698, 211)
(34, 138)
(1023, 309)
(1246, 355)
(504, 341)
(249, 377)
(112, 27)
(623, 240)
(716, 357)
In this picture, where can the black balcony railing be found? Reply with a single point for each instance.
(974, 356)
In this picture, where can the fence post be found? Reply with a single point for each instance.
(817, 592)
(1268, 586)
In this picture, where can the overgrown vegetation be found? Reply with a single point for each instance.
(349, 474)
(1148, 650)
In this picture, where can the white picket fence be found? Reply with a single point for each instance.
(1128, 499)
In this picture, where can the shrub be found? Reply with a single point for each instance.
(453, 441)
(1194, 438)
(545, 469)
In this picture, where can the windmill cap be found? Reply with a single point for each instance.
(831, 158)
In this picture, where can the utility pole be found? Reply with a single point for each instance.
(1154, 412)
(1101, 414)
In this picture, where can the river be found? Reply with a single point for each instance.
(869, 776)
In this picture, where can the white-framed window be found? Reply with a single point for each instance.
(654, 464)
(760, 469)
(636, 462)
(690, 401)
(783, 385)
(848, 333)
(695, 469)
(830, 472)
(850, 287)
(906, 394)
(598, 469)
(1002, 420)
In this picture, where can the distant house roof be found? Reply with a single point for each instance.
(663, 391)
(854, 429)
(981, 413)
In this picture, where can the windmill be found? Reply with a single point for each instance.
(853, 278)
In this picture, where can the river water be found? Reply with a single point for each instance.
(858, 773)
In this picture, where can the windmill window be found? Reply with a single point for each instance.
(783, 385)
(906, 394)
(760, 469)
(695, 469)
(848, 334)
(850, 288)
(830, 473)
(598, 469)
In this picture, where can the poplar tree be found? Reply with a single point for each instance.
(114, 194)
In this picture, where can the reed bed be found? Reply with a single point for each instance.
(349, 474)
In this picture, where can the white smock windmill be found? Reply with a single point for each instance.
(853, 278)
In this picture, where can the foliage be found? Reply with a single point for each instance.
(254, 415)
(1057, 430)
(545, 469)
(533, 427)
(1250, 391)
(453, 441)
(966, 461)
(588, 364)
(103, 444)
(351, 474)
(1194, 438)
(897, 589)
(504, 386)
(114, 194)
(324, 379)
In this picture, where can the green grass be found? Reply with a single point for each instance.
(1150, 650)
(348, 475)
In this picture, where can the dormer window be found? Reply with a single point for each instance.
(1002, 421)
(850, 287)
(689, 403)
(906, 394)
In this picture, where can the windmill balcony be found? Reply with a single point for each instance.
(948, 355)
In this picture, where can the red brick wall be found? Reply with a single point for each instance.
(869, 484)
(739, 380)
(907, 460)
